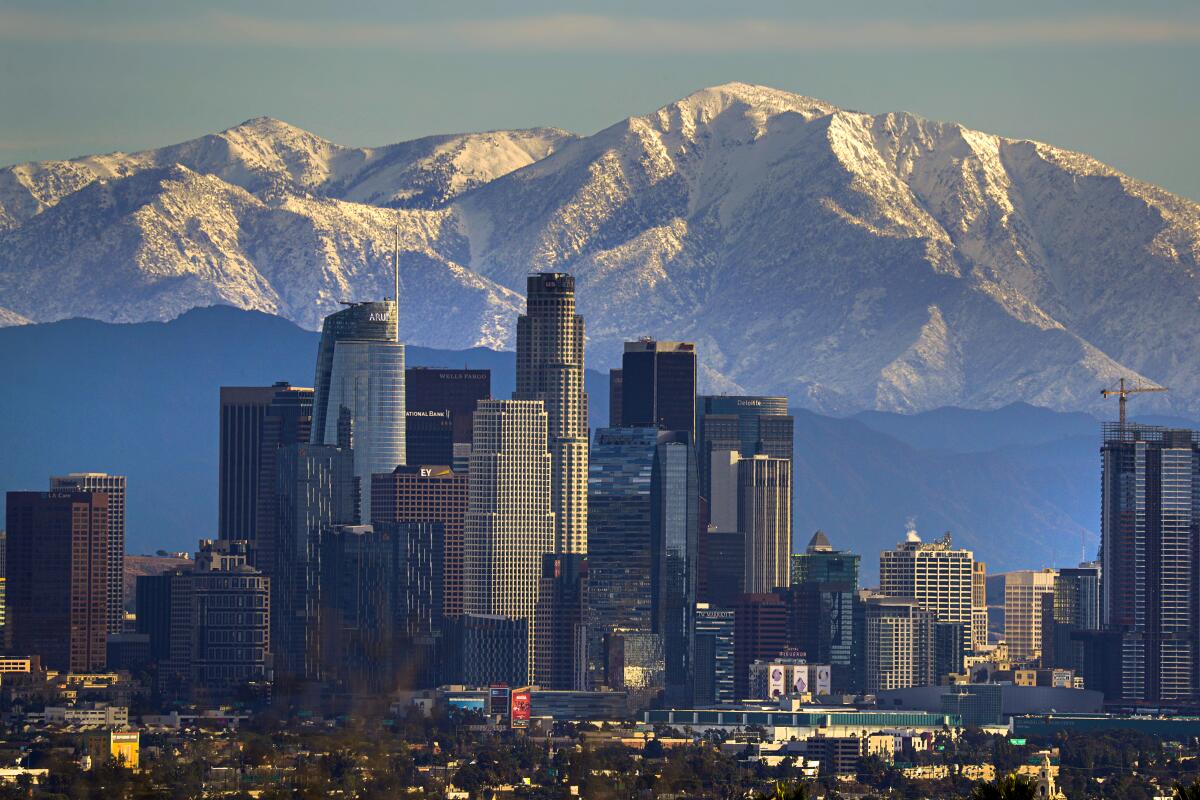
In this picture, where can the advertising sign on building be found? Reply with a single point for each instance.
(822, 681)
(500, 701)
(522, 705)
(800, 678)
(776, 685)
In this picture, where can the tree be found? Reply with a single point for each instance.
(1010, 787)
(793, 790)
(1188, 792)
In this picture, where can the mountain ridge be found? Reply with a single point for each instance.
(853, 261)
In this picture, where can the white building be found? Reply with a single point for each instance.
(509, 523)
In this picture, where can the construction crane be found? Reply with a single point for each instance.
(1122, 392)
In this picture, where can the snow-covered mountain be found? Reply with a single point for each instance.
(851, 260)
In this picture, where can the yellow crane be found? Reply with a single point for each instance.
(1122, 392)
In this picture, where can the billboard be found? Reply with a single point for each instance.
(800, 678)
(822, 680)
(499, 701)
(522, 707)
(776, 683)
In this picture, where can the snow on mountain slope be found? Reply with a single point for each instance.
(11, 318)
(850, 260)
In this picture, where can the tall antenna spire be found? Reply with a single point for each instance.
(396, 275)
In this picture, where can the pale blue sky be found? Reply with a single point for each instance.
(1117, 80)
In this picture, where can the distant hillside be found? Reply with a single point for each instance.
(1019, 484)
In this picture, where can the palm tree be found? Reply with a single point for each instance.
(1188, 792)
(794, 790)
(1010, 787)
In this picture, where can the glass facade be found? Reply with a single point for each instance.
(674, 544)
(372, 322)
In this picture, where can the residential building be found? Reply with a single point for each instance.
(1149, 518)
(1023, 593)
(899, 644)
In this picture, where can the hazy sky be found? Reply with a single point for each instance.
(1117, 80)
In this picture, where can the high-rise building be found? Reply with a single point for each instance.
(550, 344)
(429, 493)
(658, 385)
(362, 322)
(485, 649)
(114, 487)
(559, 626)
(748, 425)
(316, 490)
(979, 607)
(620, 473)
(1068, 615)
(616, 389)
(429, 437)
(243, 409)
(821, 603)
(760, 633)
(674, 543)
(454, 391)
(360, 368)
(714, 656)
(509, 523)
(226, 630)
(765, 520)
(153, 608)
(899, 644)
(1023, 593)
(935, 574)
(1150, 493)
(358, 615)
(286, 421)
(57, 554)
(721, 569)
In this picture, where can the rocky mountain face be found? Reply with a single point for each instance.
(852, 261)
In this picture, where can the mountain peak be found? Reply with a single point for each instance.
(719, 98)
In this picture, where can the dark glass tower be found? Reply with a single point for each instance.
(658, 385)
(455, 391)
(287, 421)
(674, 527)
(620, 471)
(243, 409)
(1150, 514)
(821, 609)
(57, 554)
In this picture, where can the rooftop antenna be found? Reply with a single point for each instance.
(396, 275)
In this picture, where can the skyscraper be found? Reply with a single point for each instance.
(821, 604)
(510, 522)
(1070, 617)
(287, 421)
(358, 614)
(765, 520)
(674, 550)
(57, 553)
(748, 425)
(243, 409)
(620, 472)
(550, 344)
(935, 574)
(658, 385)
(1150, 510)
(1023, 593)
(979, 606)
(360, 370)
(714, 657)
(455, 391)
(559, 627)
(114, 487)
(364, 322)
(760, 632)
(316, 490)
(900, 644)
(429, 493)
